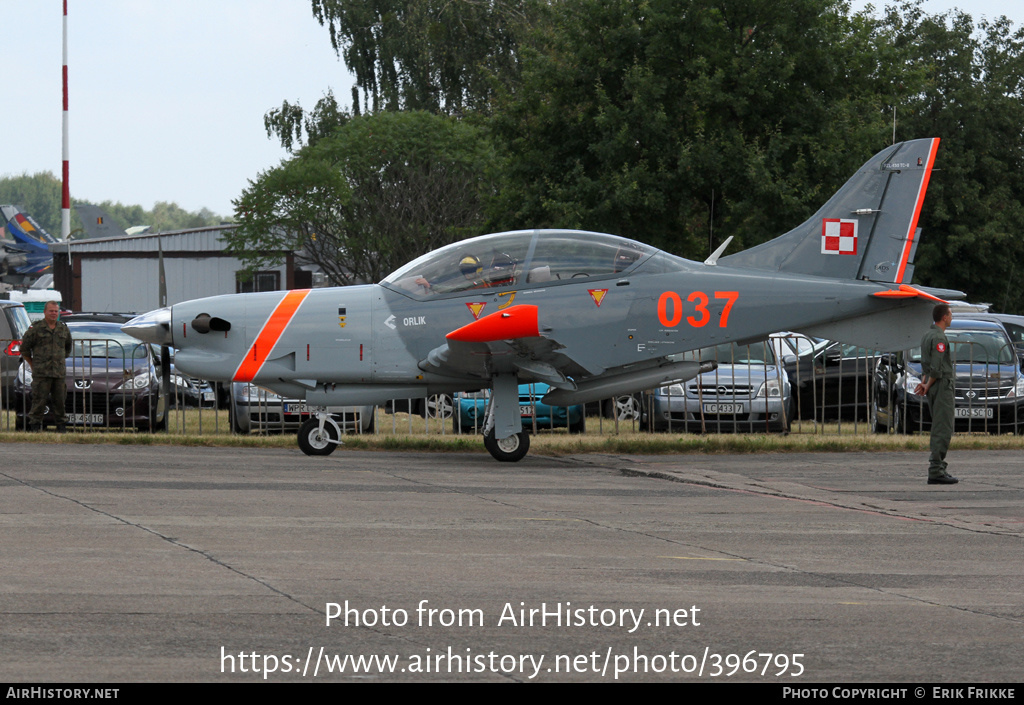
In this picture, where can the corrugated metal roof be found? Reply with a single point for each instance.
(194, 240)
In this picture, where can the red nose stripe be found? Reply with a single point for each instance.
(269, 335)
(515, 322)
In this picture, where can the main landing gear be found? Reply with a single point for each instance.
(508, 450)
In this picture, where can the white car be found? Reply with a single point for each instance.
(254, 408)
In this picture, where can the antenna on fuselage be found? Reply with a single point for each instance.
(713, 259)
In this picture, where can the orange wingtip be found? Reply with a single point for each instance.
(515, 322)
(905, 292)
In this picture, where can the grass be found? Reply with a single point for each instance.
(402, 432)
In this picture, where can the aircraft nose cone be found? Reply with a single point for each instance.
(153, 327)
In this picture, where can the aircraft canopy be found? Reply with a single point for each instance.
(515, 259)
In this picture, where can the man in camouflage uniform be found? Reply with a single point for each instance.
(937, 382)
(44, 347)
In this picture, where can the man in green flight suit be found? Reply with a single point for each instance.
(44, 348)
(937, 382)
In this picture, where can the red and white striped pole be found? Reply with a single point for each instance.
(65, 213)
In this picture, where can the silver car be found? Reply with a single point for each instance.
(749, 392)
(254, 408)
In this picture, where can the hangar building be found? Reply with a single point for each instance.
(121, 274)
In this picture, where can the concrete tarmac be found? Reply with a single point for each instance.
(156, 563)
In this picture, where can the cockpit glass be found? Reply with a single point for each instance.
(517, 259)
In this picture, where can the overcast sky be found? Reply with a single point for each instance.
(167, 96)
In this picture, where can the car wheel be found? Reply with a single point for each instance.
(508, 450)
(440, 406)
(313, 442)
(876, 425)
(624, 408)
(580, 426)
(898, 422)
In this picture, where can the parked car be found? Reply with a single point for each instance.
(254, 408)
(471, 409)
(191, 392)
(436, 406)
(988, 390)
(14, 321)
(186, 391)
(1014, 326)
(111, 381)
(831, 379)
(749, 392)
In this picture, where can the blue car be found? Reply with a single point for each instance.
(471, 410)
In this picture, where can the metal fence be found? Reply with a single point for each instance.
(790, 383)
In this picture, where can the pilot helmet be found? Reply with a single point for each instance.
(470, 266)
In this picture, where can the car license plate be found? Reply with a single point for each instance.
(722, 408)
(977, 412)
(302, 408)
(82, 419)
(208, 396)
(525, 410)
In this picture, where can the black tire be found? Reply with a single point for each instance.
(510, 450)
(311, 442)
(580, 426)
(898, 422)
(876, 425)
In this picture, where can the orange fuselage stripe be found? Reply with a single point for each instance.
(269, 335)
(908, 246)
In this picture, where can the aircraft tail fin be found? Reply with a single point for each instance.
(867, 230)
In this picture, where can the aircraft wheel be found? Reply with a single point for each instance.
(508, 450)
(312, 442)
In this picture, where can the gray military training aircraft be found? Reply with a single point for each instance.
(592, 315)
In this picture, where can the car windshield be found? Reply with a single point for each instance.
(20, 321)
(733, 354)
(970, 346)
(105, 341)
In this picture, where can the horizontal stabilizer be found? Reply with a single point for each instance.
(905, 291)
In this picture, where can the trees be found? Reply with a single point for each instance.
(663, 119)
(636, 118)
(969, 90)
(443, 56)
(377, 192)
(39, 195)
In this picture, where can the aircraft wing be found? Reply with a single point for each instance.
(514, 341)
(505, 341)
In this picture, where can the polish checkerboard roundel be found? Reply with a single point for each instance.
(838, 236)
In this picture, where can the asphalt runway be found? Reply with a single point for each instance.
(155, 563)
